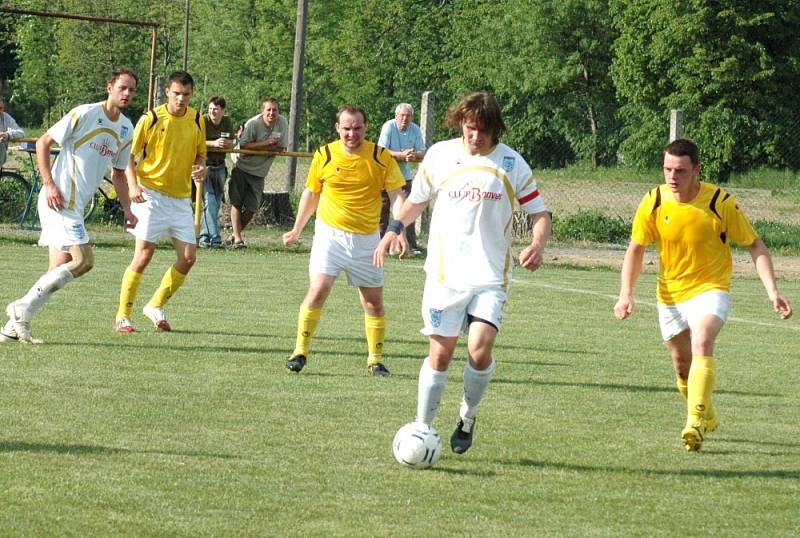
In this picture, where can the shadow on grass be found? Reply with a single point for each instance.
(788, 474)
(22, 446)
(619, 386)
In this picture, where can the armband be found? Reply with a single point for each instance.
(395, 226)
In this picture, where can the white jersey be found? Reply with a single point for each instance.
(469, 244)
(90, 142)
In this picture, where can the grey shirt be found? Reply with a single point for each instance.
(255, 130)
(8, 125)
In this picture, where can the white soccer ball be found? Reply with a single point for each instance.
(417, 445)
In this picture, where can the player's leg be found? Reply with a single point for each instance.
(375, 328)
(433, 376)
(702, 373)
(320, 286)
(131, 280)
(173, 279)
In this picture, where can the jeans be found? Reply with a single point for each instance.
(214, 188)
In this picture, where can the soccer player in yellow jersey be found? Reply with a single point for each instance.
(344, 187)
(692, 224)
(170, 143)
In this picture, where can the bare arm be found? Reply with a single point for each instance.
(120, 180)
(55, 200)
(309, 201)
(631, 269)
(532, 256)
(393, 242)
(766, 272)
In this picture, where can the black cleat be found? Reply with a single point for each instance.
(378, 370)
(461, 439)
(296, 363)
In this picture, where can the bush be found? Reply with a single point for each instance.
(591, 226)
(777, 235)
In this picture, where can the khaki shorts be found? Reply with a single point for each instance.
(244, 190)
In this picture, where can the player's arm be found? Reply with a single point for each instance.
(199, 168)
(532, 256)
(309, 201)
(766, 272)
(394, 240)
(631, 269)
(54, 198)
(120, 180)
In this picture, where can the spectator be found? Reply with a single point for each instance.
(219, 134)
(9, 130)
(268, 131)
(403, 138)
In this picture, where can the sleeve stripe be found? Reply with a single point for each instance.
(527, 198)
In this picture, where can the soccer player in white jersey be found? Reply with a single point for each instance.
(91, 137)
(475, 182)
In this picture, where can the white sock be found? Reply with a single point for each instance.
(430, 388)
(475, 383)
(47, 284)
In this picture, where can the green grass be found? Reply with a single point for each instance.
(202, 432)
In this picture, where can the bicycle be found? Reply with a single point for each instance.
(18, 196)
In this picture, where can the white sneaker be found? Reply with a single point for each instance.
(21, 324)
(156, 315)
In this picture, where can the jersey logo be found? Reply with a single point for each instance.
(123, 132)
(508, 164)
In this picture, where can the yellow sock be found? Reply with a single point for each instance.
(700, 385)
(307, 321)
(173, 279)
(375, 327)
(128, 292)
(683, 387)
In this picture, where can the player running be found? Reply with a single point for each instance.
(475, 182)
(692, 224)
(92, 138)
(172, 141)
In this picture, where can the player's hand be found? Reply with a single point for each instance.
(399, 246)
(782, 306)
(199, 172)
(136, 194)
(290, 238)
(3, 136)
(531, 257)
(130, 220)
(624, 307)
(379, 255)
(53, 195)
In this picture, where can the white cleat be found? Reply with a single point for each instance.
(156, 315)
(20, 324)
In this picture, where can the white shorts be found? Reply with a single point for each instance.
(60, 229)
(445, 310)
(334, 251)
(674, 318)
(161, 216)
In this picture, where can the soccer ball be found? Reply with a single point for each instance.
(417, 445)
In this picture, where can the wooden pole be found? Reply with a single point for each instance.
(297, 90)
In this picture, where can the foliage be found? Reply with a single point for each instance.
(591, 226)
(778, 236)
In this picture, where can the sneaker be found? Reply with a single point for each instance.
(378, 370)
(20, 324)
(693, 435)
(8, 335)
(296, 363)
(461, 439)
(416, 252)
(204, 244)
(156, 315)
(123, 325)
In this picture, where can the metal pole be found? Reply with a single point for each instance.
(297, 89)
(185, 35)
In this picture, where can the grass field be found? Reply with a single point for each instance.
(202, 432)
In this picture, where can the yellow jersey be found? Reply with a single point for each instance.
(693, 239)
(350, 185)
(169, 146)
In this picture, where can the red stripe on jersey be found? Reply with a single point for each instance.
(525, 199)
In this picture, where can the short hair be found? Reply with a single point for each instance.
(116, 73)
(404, 106)
(271, 99)
(480, 107)
(181, 77)
(352, 110)
(683, 147)
(217, 100)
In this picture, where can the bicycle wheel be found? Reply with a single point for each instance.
(112, 209)
(14, 192)
(89, 209)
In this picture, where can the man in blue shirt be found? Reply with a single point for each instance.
(403, 138)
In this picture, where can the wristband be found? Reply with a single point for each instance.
(395, 226)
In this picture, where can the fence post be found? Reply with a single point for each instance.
(426, 123)
(675, 124)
